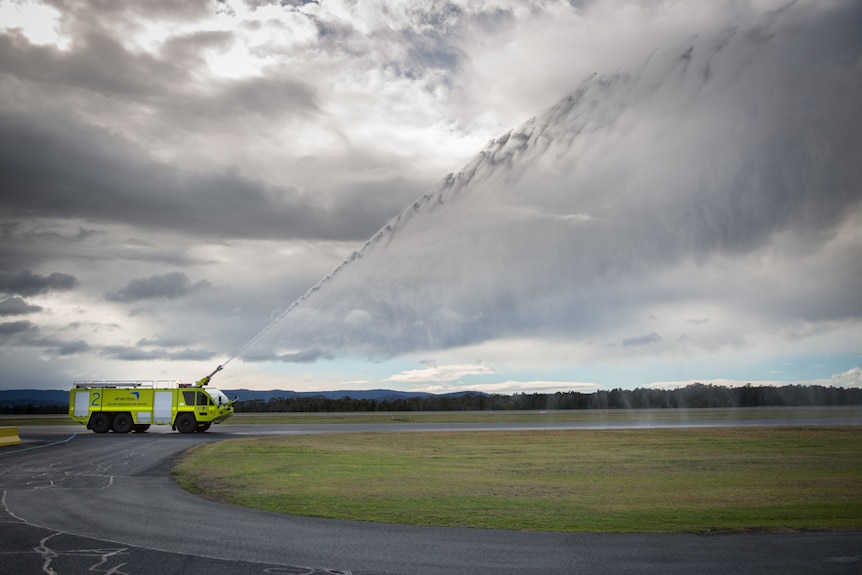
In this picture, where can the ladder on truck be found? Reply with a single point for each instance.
(131, 383)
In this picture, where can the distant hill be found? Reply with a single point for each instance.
(35, 397)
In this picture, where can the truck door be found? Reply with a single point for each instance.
(163, 405)
(199, 402)
(203, 403)
(82, 403)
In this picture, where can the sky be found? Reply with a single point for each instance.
(501, 196)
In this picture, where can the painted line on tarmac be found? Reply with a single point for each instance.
(67, 440)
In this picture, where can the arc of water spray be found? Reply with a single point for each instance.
(388, 230)
(316, 287)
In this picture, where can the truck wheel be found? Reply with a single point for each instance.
(122, 423)
(202, 427)
(141, 427)
(186, 423)
(100, 422)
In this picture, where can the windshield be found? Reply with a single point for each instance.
(218, 396)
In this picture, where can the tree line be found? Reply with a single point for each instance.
(33, 408)
(697, 395)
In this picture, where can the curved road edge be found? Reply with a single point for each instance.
(115, 488)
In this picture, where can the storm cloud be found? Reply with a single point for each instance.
(179, 176)
(17, 327)
(171, 285)
(26, 283)
(17, 306)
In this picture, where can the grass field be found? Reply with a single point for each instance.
(853, 412)
(27, 420)
(592, 415)
(659, 480)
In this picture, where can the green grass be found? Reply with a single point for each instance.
(39, 419)
(595, 415)
(660, 480)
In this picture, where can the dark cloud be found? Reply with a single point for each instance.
(131, 11)
(254, 4)
(27, 334)
(17, 327)
(264, 97)
(100, 164)
(128, 353)
(163, 341)
(168, 286)
(55, 166)
(192, 355)
(645, 339)
(41, 244)
(303, 356)
(64, 170)
(188, 50)
(98, 63)
(27, 283)
(175, 348)
(17, 306)
(72, 348)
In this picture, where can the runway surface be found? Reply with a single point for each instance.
(74, 501)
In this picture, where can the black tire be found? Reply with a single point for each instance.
(186, 423)
(141, 427)
(202, 427)
(123, 423)
(100, 422)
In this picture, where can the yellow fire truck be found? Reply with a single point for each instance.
(124, 406)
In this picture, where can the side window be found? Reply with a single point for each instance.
(189, 397)
(203, 399)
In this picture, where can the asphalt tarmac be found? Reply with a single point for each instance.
(72, 501)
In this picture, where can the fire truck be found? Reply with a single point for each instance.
(124, 406)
